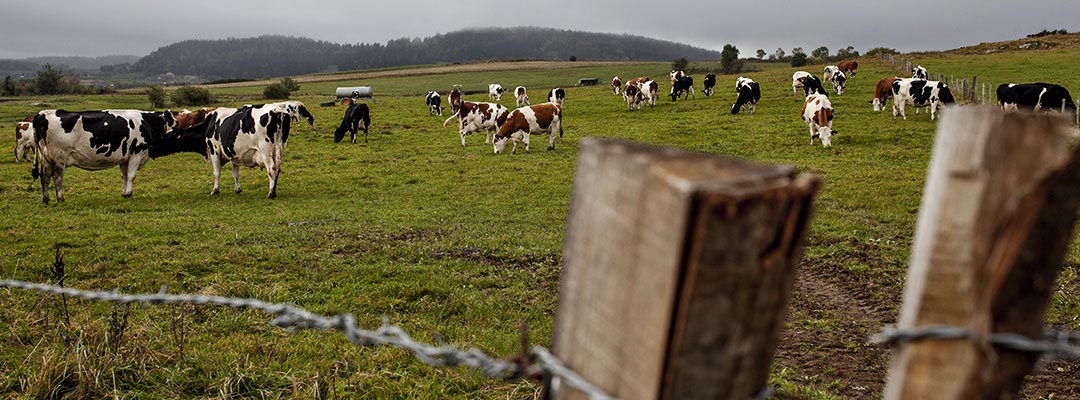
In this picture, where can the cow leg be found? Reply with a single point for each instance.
(462, 133)
(128, 177)
(551, 137)
(215, 166)
(45, 175)
(236, 178)
(272, 173)
(58, 181)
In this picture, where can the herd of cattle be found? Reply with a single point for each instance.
(257, 135)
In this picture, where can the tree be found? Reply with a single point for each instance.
(190, 96)
(9, 88)
(879, 51)
(798, 57)
(779, 53)
(290, 84)
(276, 91)
(50, 80)
(156, 95)
(846, 53)
(573, 58)
(729, 59)
(820, 53)
(681, 64)
(760, 54)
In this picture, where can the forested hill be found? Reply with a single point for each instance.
(268, 56)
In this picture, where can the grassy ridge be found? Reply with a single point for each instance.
(443, 240)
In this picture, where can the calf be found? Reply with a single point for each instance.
(818, 115)
(883, 92)
(839, 81)
(96, 140)
(633, 96)
(525, 121)
(495, 91)
(919, 73)
(455, 100)
(473, 117)
(1036, 97)
(521, 96)
(830, 70)
(24, 138)
(807, 81)
(749, 94)
(248, 137)
(919, 93)
(616, 85)
(557, 96)
(849, 67)
(710, 82)
(683, 86)
(434, 103)
(357, 117)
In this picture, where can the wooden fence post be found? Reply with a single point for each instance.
(677, 270)
(996, 219)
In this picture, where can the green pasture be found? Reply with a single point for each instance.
(454, 244)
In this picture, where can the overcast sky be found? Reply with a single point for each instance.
(137, 27)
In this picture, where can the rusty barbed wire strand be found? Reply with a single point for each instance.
(1055, 345)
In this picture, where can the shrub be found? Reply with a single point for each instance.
(276, 91)
(290, 84)
(798, 59)
(681, 64)
(190, 96)
(1045, 32)
(156, 95)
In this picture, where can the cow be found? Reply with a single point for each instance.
(187, 119)
(919, 73)
(521, 97)
(557, 96)
(96, 140)
(710, 82)
(839, 81)
(455, 100)
(616, 84)
(434, 103)
(883, 92)
(675, 75)
(807, 81)
(830, 70)
(1036, 97)
(473, 117)
(683, 86)
(638, 81)
(650, 91)
(525, 121)
(293, 108)
(495, 91)
(818, 115)
(849, 67)
(633, 96)
(24, 139)
(248, 137)
(357, 116)
(920, 93)
(749, 94)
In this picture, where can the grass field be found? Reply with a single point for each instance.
(454, 244)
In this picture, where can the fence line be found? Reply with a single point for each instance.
(540, 362)
(965, 89)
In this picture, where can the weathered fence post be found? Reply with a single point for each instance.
(997, 216)
(677, 270)
(974, 84)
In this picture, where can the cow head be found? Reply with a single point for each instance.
(825, 134)
(944, 94)
(499, 143)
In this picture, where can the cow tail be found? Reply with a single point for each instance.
(561, 122)
(455, 114)
(35, 170)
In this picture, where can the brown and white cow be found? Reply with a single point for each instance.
(473, 117)
(638, 81)
(24, 138)
(633, 96)
(187, 119)
(521, 96)
(455, 100)
(818, 115)
(650, 90)
(526, 121)
(849, 67)
(883, 92)
(616, 84)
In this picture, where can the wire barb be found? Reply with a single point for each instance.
(1055, 344)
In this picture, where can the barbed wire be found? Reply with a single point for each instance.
(1055, 344)
(539, 363)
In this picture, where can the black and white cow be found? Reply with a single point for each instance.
(557, 96)
(495, 91)
(357, 117)
(683, 86)
(749, 94)
(918, 72)
(920, 93)
(1036, 97)
(710, 82)
(810, 84)
(839, 81)
(830, 70)
(96, 140)
(434, 103)
(248, 137)
(521, 96)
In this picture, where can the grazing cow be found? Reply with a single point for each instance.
(495, 91)
(638, 81)
(24, 138)
(616, 84)
(248, 137)
(749, 94)
(633, 96)
(807, 81)
(839, 81)
(683, 86)
(675, 75)
(473, 117)
(357, 117)
(818, 115)
(520, 96)
(883, 92)
(849, 67)
(434, 103)
(455, 100)
(1036, 97)
(919, 73)
(710, 82)
(920, 93)
(557, 96)
(830, 70)
(525, 121)
(96, 140)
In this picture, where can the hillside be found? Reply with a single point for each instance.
(267, 56)
(1048, 42)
